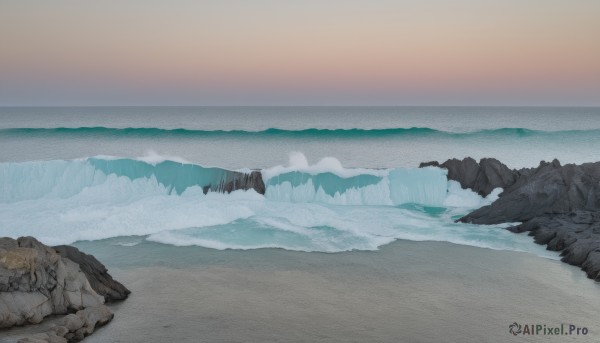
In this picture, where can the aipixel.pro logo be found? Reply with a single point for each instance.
(546, 330)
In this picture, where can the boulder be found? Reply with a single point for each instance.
(96, 273)
(36, 282)
(482, 177)
(549, 189)
(73, 327)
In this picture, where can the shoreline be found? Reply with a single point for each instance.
(559, 205)
(406, 291)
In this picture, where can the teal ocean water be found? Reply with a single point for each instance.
(337, 179)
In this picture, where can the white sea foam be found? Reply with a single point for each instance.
(378, 194)
(150, 156)
(128, 244)
(61, 202)
(298, 162)
(466, 198)
(154, 158)
(425, 186)
(319, 227)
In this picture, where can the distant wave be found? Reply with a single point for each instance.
(275, 132)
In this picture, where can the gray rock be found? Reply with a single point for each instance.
(49, 337)
(549, 189)
(482, 177)
(493, 174)
(37, 282)
(73, 327)
(96, 273)
(576, 235)
(558, 205)
(71, 322)
(92, 318)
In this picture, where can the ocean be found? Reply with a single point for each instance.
(262, 137)
(351, 242)
(337, 178)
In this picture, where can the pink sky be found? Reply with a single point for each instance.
(235, 52)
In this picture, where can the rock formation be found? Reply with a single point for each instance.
(96, 273)
(73, 327)
(549, 189)
(576, 235)
(558, 205)
(37, 281)
(482, 177)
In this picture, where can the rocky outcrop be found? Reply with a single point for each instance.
(95, 272)
(547, 190)
(37, 281)
(576, 235)
(73, 327)
(558, 205)
(482, 177)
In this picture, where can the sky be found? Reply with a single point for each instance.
(309, 52)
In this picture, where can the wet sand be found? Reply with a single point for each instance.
(406, 292)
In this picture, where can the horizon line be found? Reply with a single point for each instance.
(294, 105)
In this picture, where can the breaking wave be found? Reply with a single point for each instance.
(322, 207)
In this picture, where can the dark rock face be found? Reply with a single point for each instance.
(558, 205)
(96, 273)
(549, 189)
(246, 181)
(73, 327)
(482, 177)
(237, 180)
(576, 235)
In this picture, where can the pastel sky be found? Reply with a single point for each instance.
(309, 52)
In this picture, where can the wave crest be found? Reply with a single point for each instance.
(61, 202)
(277, 132)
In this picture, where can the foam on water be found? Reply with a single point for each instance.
(329, 182)
(458, 197)
(326, 228)
(299, 163)
(324, 207)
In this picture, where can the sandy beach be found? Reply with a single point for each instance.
(406, 292)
